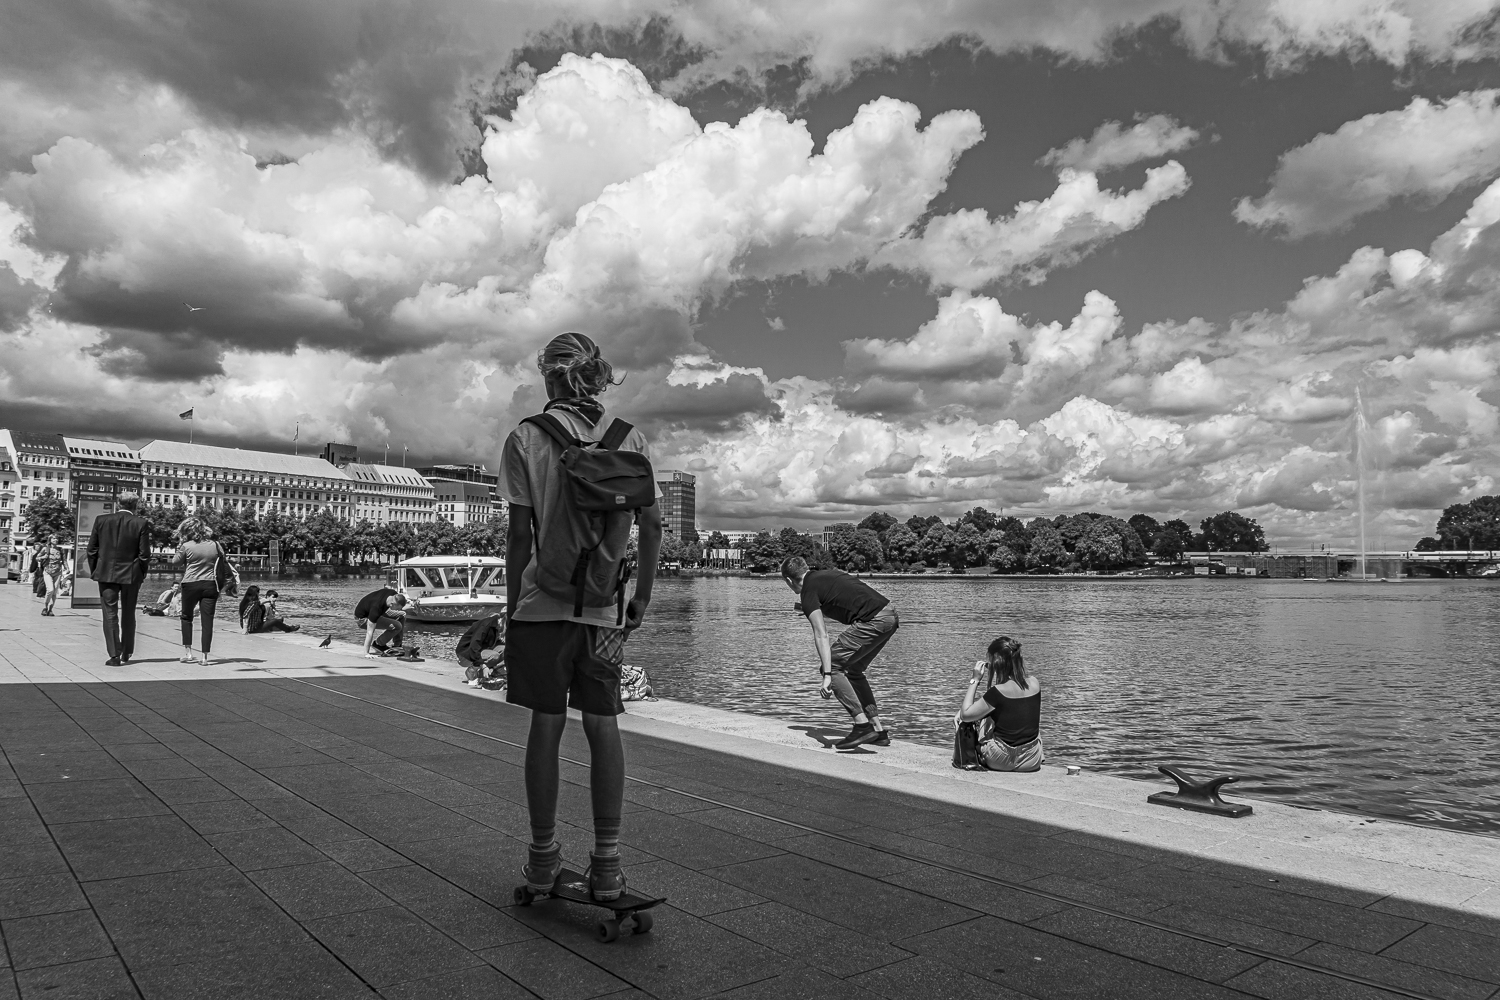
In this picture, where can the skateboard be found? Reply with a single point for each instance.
(629, 910)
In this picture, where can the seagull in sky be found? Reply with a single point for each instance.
(192, 308)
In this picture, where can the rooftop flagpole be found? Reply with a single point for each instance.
(188, 416)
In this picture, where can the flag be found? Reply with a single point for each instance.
(297, 430)
(186, 414)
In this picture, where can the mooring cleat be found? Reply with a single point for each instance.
(1199, 796)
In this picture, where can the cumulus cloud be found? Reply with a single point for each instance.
(966, 249)
(1425, 151)
(409, 78)
(1113, 145)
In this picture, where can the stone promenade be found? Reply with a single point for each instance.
(295, 822)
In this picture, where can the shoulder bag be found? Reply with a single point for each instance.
(225, 578)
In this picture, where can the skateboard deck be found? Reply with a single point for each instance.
(629, 911)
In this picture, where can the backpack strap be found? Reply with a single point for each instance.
(615, 436)
(554, 429)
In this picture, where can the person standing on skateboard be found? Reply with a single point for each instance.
(871, 621)
(566, 573)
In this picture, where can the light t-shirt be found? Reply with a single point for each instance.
(529, 478)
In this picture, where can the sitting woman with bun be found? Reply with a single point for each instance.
(1010, 701)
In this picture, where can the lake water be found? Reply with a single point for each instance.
(1379, 698)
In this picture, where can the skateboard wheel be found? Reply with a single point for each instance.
(522, 896)
(643, 923)
(608, 931)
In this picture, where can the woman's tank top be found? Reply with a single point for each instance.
(1017, 720)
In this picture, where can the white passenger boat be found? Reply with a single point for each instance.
(451, 588)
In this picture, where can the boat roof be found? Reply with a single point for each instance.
(420, 561)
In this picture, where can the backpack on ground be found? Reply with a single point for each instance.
(580, 551)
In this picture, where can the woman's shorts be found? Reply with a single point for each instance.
(999, 756)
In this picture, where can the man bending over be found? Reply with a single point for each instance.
(381, 610)
(830, 593)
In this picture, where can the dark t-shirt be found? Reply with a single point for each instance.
(840, 596)
(372, 606)
(1017, 720)
(483, 634)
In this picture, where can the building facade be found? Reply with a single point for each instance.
(203, 476)
(679, 503)
(41, 463)
(409, 497)
(102, 470)
(465, 494)
(462, 503)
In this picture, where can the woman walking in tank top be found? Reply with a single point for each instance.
(1003, 694)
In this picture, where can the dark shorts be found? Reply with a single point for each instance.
(861, 642)
(555, 666)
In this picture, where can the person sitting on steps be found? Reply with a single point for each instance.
(1001, 691)
(258, 612)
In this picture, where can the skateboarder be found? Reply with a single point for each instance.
(871, 621)
(565, 588)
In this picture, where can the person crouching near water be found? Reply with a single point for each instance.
(481, 652)
(871, 621)
(1001, 691)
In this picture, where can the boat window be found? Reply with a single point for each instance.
(414, 579)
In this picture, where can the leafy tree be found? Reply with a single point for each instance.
(902, 546)
(937, 544)
(1133, 548)
(1003, 559)
(856, 551)
(1472, 525)
(1072, 529)
(794, 543)
(693, 552)
(982, 520)
(1169, 545)
(921, 525)
(1102, 547)
(1146, 528)
(1181, 527)
(1232, 532)
(1014, 535)
(46, 515)
(1046, 549)
(717, 540)
(671, 547)
(878, 521)
(968, 547)
(763, 551)
(1429, 544)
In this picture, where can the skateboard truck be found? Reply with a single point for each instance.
(1198, 796)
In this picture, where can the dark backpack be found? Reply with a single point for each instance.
(580, 552)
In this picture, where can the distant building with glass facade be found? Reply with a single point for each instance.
(679, 502)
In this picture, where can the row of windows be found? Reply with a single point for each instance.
(242, 477)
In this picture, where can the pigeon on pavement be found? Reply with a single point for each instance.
(326, 641)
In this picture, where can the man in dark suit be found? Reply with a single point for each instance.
(119, 554)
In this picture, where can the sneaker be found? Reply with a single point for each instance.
(862, 733)
(882, 739)
(293, 628)
(542, 868)
(606, 880)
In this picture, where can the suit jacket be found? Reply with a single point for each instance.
(120, 548)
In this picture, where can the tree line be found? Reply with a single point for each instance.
(1005, 544)
(1472, 525)
(320, 537)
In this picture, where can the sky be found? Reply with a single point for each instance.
(1047, 256)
